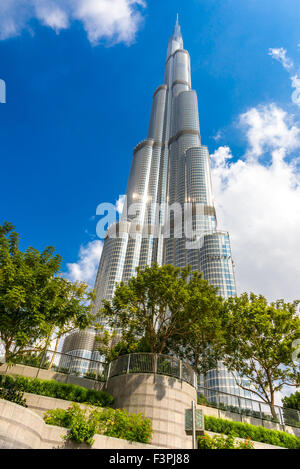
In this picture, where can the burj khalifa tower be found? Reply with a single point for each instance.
(170, 171)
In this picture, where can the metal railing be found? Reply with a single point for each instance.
(74, 364)
(152, 363)
(247, 407)
(78, 365)
(70, 364)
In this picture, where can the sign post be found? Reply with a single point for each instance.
(194, 423)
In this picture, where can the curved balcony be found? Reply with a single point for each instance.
(152, 363)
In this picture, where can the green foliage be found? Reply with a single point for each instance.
(111, 346)
(200, 343)
(31, 359)
(52, 388)
(165, 310)
(81, 423)
(256, 433)
(202, 400)
(223, 442)
(94, 376)
(35, 302)
(84, 424)
(120, 424)
(292, 401)
(258, 344)
(10, 392)
(291, 409)
(291, 417)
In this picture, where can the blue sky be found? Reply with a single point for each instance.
(79, 91)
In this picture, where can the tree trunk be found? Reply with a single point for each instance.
(7, 352)
(274, 415)
(272, 408)
(271, 402)
(54, 353)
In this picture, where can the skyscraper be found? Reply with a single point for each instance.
(169, 187)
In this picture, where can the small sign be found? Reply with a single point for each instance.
(189, 420)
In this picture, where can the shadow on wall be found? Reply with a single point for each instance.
(160, 386)
(130, 385)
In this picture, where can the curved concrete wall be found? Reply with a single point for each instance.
(20, 428)
(162, 399)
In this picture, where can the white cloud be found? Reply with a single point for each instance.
(120, 204)
(111, 20)
(85, 270)
(268, 128)
(260, 205)
(221, 155)
(52, 15)
(218, 136)
(280, 55)
(296, 94)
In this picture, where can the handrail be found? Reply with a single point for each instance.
(153, 363)
(167, 365)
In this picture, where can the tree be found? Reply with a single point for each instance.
(162, 309)
(258, 344)
(150, 305)
(292, 401)
(72, 310)
(291, 409)
(111, 346)
(34, 300)
(200, 345)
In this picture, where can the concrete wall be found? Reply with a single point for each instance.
(21, 428)
(40, 404)
(163, 384)
(162, 399)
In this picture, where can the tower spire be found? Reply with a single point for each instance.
(177, 29)
(176, 41)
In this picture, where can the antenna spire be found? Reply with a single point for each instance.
(177, 29)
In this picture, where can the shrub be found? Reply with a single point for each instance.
(222, 442)
(202, 400)
(83, 424)
(32, 359)
(94, 376)
(52, 388)
(291, 417)
(292, 401)
(11, 392)
(120, 424)
(256, 433)
(291, 409)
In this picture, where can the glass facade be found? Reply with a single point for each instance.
(170, 175)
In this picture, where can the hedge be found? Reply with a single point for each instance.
(256, 433)
(84, 424)
(52, 388)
